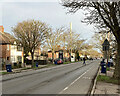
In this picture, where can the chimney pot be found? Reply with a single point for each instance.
(1, 29)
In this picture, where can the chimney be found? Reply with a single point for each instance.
(1, 29)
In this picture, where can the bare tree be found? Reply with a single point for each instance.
(31, 34)
(103, 15)
(61, 37)
(54, 40)
(78, 45)
(72, 41)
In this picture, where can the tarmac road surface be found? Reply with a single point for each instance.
(74, 78)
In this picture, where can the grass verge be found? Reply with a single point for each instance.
(66, 62)
(4, 73)
(70, 62)
(107, 79)
(25, 68)
(108, 69)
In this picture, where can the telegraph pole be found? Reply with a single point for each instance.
(108, 37)
(71, 39)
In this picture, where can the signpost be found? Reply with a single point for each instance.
(106, 47)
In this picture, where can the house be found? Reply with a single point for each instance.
(9, 50)
(4, 45)
(57, 54)
(37, 54)
(16, 53)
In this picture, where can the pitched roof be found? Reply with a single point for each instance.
(6, 38)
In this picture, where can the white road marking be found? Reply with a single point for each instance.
(66, 88)
(86, 78)
(74, 81)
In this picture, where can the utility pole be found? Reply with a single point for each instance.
(64, 47)
(108, 53)
(71, 39)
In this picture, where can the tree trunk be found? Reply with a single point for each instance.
(53, 56)
(117, 66)
(32, 55)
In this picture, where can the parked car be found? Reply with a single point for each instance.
(58, 61)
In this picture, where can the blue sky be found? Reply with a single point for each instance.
(14, 11)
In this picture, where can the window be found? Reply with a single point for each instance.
(13, 58)
(19, 48)
(8, 58)
(8, 47)
(19, 58)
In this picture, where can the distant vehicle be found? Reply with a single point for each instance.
(58, 61)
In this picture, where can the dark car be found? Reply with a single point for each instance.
(58, 61)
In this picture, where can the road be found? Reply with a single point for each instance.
(63, 79)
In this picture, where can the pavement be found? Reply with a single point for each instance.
(74, 78)
(108, 89)
(21, 69)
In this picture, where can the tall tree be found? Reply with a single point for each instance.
(54, 39)
(102, 14)
(71, 41)
(31, 34)
(78, 45)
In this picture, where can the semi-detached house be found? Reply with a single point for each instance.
(9, 51)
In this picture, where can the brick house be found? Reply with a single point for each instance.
(9, 51)
(56, 54)
(4, 45)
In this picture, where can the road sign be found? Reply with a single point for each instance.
(106, 45)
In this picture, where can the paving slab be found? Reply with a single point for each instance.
(107, 88)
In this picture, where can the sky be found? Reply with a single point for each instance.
(49, 11)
